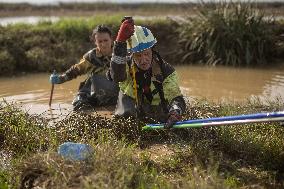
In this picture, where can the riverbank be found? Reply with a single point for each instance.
(222, 34)
(93, 9)
(125, 157)
(47, 46)
(105, 8)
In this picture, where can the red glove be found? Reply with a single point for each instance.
(174, 116)
(126, 30)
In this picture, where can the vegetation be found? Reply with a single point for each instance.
(247, 156)
(125, 157)
(231, 34)
(89, 9)
(98, 6)
(43, 47)
(48, 46)
(235, 34)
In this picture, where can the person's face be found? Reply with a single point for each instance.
(103, 42)
(143, 59)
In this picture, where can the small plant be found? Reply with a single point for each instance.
(3, 180)
(21, 133)
(236, 34)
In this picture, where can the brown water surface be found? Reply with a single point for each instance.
(232, 84)
(213, 83)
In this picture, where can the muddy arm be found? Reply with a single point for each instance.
(173, 94)
(81, 68)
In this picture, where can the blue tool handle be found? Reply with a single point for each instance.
(230, 118)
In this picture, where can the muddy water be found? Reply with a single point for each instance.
(213, 83)
(232, 84)
(32, 92)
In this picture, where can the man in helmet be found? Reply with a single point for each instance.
(148, 85)
(96, 90)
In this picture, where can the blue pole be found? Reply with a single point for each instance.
(217, 123)
(229, 118)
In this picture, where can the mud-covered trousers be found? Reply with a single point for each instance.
(96, 91)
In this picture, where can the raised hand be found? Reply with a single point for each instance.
(126, 29)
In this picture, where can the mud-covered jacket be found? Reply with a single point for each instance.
(93, 62)
(163, 85)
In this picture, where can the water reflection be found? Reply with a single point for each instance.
(26, 19)
(275, 87)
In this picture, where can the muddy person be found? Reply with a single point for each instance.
(148, 85)
(96, 90)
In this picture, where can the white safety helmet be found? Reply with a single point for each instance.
(141, 40)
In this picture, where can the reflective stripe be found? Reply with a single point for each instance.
(118, 59)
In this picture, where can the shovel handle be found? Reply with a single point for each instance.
(51, 92)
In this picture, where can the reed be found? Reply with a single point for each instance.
(234, 33)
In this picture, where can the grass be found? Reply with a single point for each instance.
(125, 157)
(112, 166)
(237, 34)
(3, 180)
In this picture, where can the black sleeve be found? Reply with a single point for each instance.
(118, 62)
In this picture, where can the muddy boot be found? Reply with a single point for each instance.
(83, 107)
(82, 104)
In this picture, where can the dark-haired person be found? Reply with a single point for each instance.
(148, 84)
(96, 90)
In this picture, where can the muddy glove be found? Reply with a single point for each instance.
(57, 78)
(126, 30)
(174, 116)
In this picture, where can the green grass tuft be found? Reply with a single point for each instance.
(236, 34)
